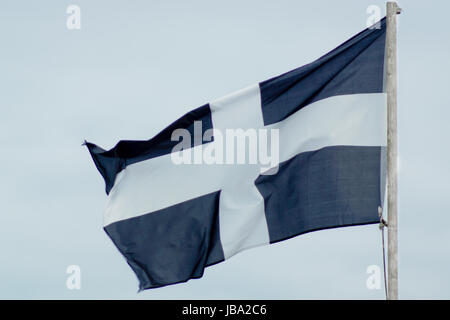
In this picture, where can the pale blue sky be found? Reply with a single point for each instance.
(132, 69)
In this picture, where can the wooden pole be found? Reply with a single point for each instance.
(391, 89)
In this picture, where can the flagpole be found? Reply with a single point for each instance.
(392, 204)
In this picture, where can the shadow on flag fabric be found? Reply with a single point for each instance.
(170, 220)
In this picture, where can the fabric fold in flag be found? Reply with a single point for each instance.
(172, 211)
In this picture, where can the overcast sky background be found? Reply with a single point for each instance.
(136, 66)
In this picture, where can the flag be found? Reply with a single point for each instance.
(182, 201)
